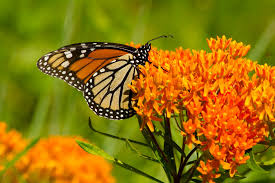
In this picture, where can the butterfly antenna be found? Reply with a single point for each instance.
(162, 36)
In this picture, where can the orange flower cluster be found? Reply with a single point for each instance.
(228, 98)
(57, 159)
(11, 143)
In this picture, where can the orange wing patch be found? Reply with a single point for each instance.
(97, 59)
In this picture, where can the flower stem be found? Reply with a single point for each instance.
(168, 148)
(183, 164)
(151, 140)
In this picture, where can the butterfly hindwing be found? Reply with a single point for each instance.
(108, 93)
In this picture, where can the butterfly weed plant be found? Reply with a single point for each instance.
(202, 112)
(51, 159)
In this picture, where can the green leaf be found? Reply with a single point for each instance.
(168, 148)
(115, 137)
(272, 142)
(196, 180)
(251, 163)
(18, 156)
(93, 149)
(134, 149)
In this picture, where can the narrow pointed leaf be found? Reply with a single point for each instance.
(93, 149)
(139, 153)
(252, 164)
(115, 137)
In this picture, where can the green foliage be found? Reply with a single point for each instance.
(39, 105)
(93, 149)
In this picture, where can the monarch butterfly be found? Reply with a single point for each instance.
(102, 71)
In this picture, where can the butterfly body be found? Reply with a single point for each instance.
(102, 71)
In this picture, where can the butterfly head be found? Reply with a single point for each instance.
(142, 53)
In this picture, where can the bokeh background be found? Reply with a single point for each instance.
(38, 105)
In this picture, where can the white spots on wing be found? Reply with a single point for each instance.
(102, 70)
(83, 45)
(63, 72)
(83, 51)
(45, 63)
(81, 56)
(65, 64)
(92, 49)
(68, 54)
(46, 58)
(72, 49)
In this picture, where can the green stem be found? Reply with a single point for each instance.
(168, 148)
(129, 167)
(115, 137)
(194, 167)
(140, 154)
(149, 137)
(182, 165)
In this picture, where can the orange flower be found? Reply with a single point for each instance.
(54, 159)
(227, 110)
(61, 159)
(11, 143)
(208, 170)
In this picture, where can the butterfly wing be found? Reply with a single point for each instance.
(101, 70)
(76, 63)
(107, 91)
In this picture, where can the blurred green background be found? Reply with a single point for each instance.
(38, 105)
